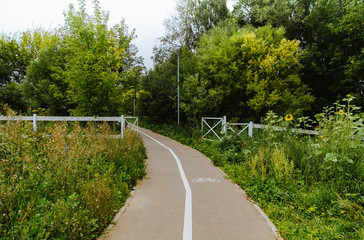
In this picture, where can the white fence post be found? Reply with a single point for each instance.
(224, 124)
(201, 124)
(122, 121)
(34, 122)
(250, 130)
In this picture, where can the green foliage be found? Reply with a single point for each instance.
(334, 50)
(13, 63)
(245, 72)
(183, 31)
(41, 88)
(64, 183)
(340, 144)
(328, 31)
(17, 54)
(192, 19)
(158, 99)
(158, 95)
(283, 13)
(95, 63)
(82, 68)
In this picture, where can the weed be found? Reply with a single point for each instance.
(64, 183)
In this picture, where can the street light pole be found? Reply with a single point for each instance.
(177, 88)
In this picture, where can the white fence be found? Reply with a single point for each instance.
(219, 124)
(130, 123)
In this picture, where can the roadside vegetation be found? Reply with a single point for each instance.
(65, 182)
(310, 186)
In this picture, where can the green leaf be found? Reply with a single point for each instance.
(331, 157)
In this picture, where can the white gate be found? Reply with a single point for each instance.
(216, 123)
(131, 123)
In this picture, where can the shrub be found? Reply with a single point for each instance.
(61, 183)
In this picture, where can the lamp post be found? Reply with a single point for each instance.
(177, 88)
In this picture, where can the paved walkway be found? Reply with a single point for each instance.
(183, 197)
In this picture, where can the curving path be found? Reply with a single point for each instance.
(185, 197)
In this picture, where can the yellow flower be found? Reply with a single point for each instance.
(342, 211)
(341, 112)
(323, 214)
(289, 117)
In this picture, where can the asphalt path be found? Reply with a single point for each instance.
(185, 197)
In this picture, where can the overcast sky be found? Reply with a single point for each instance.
(146, 16)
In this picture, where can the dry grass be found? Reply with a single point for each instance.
(64, 183)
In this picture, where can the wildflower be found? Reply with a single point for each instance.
(342, 211)
(341, 112)
(323, 214)
(289, 117)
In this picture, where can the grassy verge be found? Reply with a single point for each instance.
(310, 186)
(62, 183)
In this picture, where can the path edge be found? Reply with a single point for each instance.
(117, 216)
(262, 213)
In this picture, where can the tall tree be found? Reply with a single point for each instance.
(16, 54)
(13, 61)
(83, 68)
(183, 30)
(193, 18)
(289, 14)
(42, 88)
(328, 30)
(243, 73)
(334, 43)
(159, 97)
(98, 60)
(12, 70)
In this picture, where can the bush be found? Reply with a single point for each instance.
(61, 183)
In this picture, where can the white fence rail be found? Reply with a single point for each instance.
(222, 126)
(125, 121)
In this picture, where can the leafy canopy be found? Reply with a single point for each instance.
(245, 72)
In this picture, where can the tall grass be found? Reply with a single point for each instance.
(310, 186)
(64, 183)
